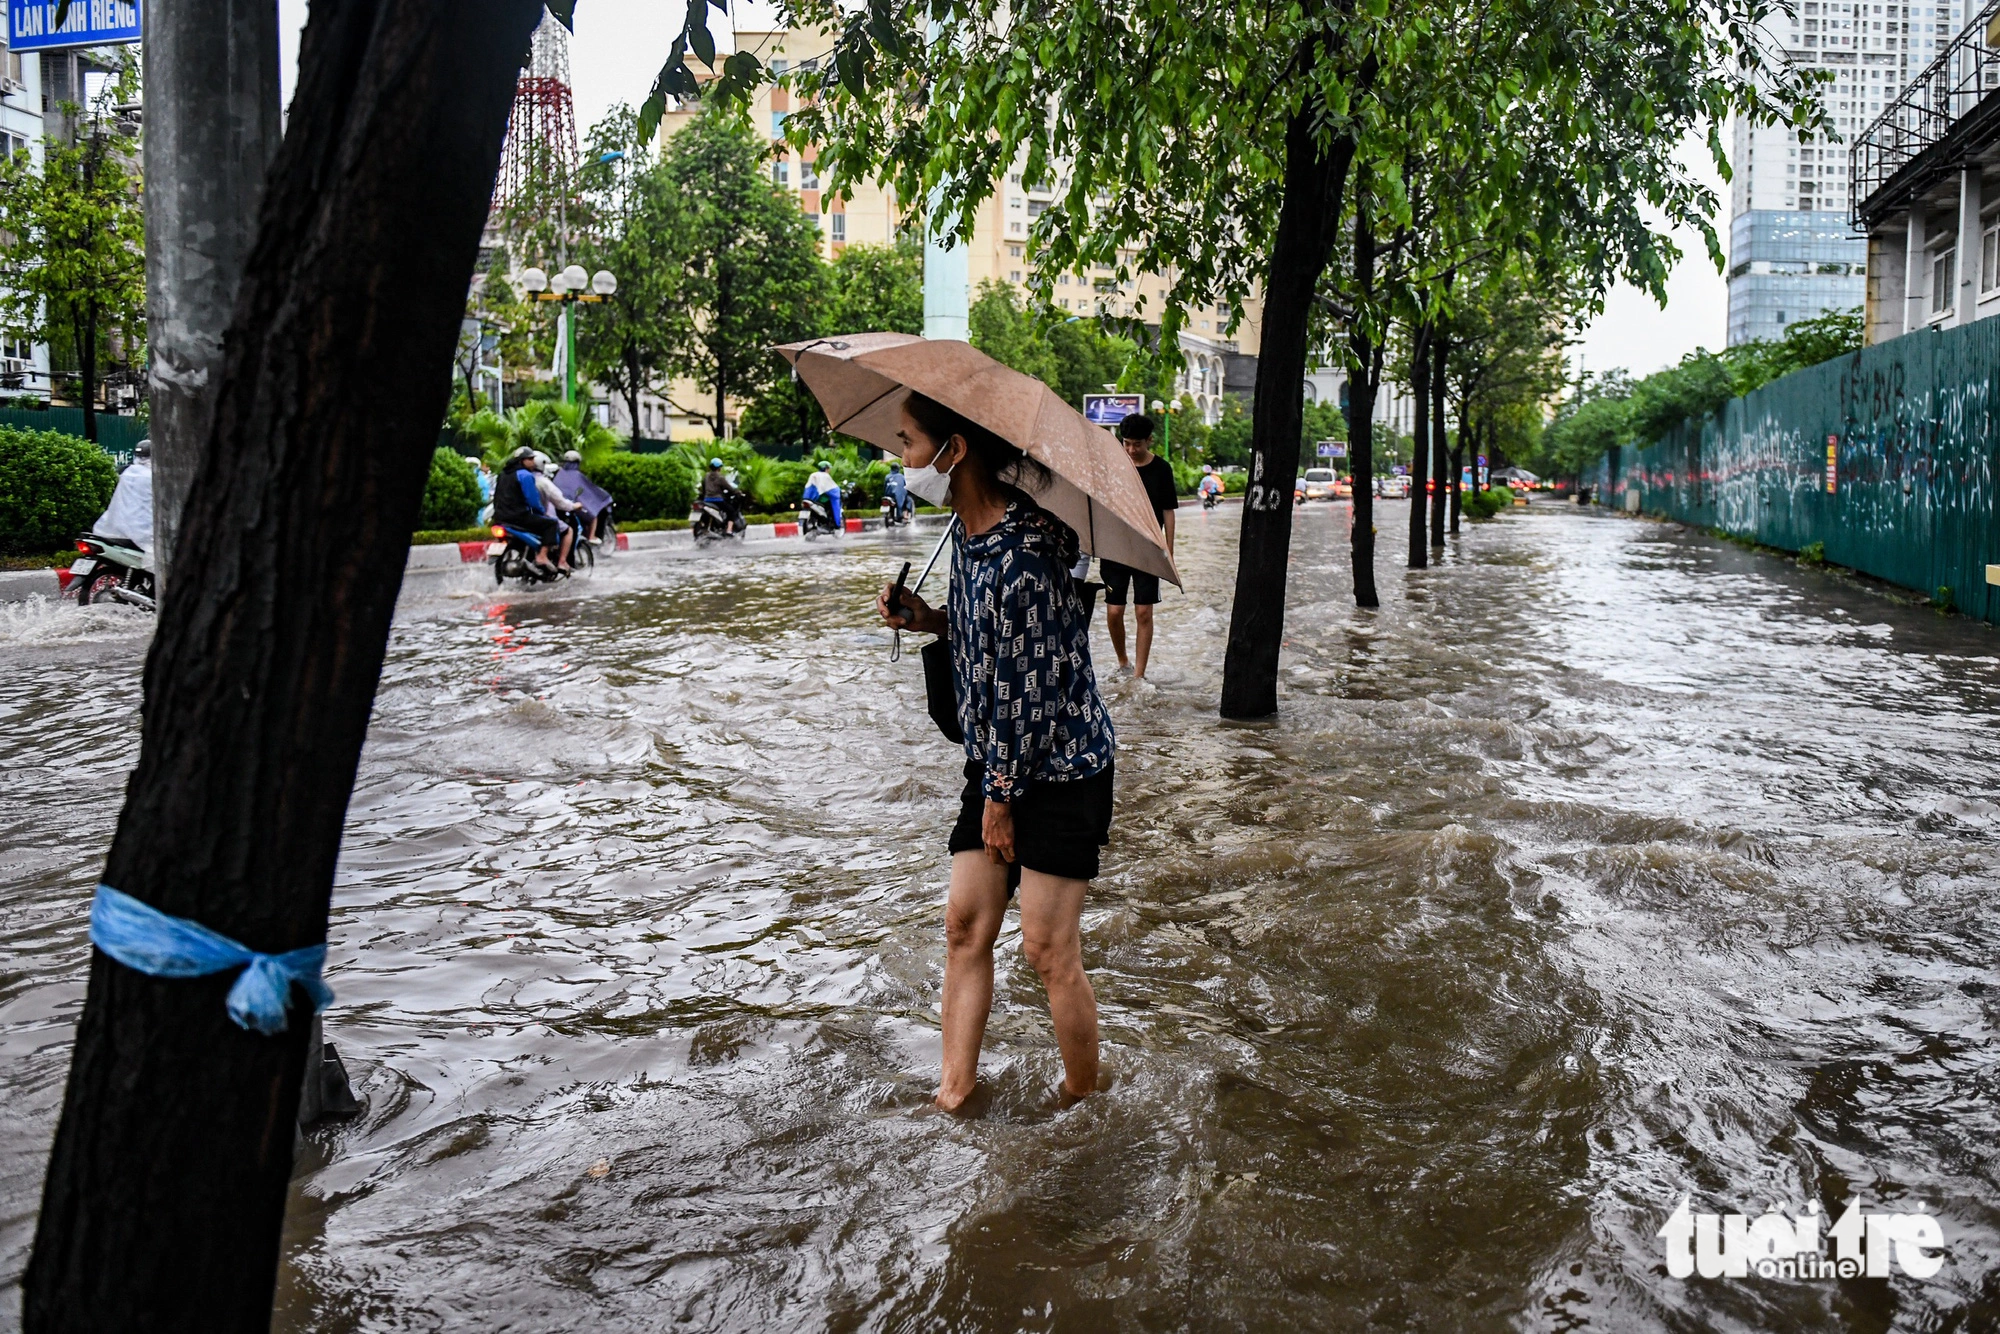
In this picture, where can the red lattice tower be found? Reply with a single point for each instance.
(541, 127)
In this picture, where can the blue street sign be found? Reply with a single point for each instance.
(31, 24)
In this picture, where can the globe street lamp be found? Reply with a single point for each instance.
(568, 288)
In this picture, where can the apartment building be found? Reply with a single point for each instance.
(1793, 251)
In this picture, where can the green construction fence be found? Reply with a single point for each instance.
(1887, 456)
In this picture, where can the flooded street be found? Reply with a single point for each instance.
(1604, 864)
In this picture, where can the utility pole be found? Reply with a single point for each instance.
(213, 122)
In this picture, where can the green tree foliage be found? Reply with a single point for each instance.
(52, 487)
(544, 424)
(875, 287)
(630, 342)
(746, 261)
(1073, 356)
(451, 492)
(73, 246)
(1642, 412)
(1005, 330)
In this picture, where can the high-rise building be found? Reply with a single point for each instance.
(1793, 253)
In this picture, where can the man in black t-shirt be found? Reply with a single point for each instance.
(1157, 476)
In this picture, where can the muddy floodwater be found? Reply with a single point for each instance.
(1605, 864)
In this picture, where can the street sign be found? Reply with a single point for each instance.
(1110, 409)
(1832, 464)
(31, 24)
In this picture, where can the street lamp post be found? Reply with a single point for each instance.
(568, 288)
(1165, 412)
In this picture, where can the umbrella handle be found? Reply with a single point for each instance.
(896, 638)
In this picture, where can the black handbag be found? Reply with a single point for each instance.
(941, 689)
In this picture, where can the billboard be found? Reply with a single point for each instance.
(32, 26)
(1108, 410)
(1332, 449)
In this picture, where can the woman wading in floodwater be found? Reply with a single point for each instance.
(1038, 740)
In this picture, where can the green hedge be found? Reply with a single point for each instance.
(52, 487)
(646, 486)
(451, 492)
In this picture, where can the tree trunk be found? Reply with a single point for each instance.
(1440, 494)
(1420, 444)
(213, 122)
(1362, 378)
(632, 391)
(166, 1188)
(1308, 226)
(1457, 475)
(87, 356)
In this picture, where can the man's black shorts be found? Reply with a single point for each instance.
(1145, 587)
(542, 526)
(1058, 827)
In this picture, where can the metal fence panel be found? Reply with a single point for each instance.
(1914, 431)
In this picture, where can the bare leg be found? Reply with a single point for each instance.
(1051, 939)
(972, 917)
(1144, 615)
(562, 561)
(1114, 621)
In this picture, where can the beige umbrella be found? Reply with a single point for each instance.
(861, 381)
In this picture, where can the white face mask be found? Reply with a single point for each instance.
(928, 483)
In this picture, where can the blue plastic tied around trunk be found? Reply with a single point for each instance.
(149, 941)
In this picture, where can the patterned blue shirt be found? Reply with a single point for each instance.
(1020, 652)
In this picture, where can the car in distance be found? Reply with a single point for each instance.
(1395, 487)
(1318, 484)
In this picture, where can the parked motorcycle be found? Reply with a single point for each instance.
(513, 557)
(714, 520)
(110, 569)
(815, 519)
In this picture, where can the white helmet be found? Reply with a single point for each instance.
(572, 457)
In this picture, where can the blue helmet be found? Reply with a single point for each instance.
(715, 463)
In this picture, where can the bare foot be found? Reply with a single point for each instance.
(1067, 1098)
(951, 1102)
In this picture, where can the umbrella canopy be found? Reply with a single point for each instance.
(861, 380)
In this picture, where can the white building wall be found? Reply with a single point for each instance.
(21, 128)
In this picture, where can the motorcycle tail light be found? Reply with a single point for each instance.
(83, 546)
(498, 531)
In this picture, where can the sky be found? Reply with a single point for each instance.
(618, 46)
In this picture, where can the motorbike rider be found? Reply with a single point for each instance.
(898, 491)
(576, 486)
(716, 488)
(821, 486)
(1211, 483)
(129, 516)
(517, 503)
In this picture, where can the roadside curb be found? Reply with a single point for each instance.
(20, 585)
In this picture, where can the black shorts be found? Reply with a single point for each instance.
(1058, 827)
(1145, 587)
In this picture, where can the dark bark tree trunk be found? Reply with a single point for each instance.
(1457, 475)
(1366, 356)
(632, 390)
(1420, 445)
(166, 1188)
(1308, 227)
(1440, 491)
(87, 356)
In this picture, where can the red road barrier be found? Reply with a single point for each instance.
(468, 552)
(784, 530)
(624, 542)
(854, 525)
